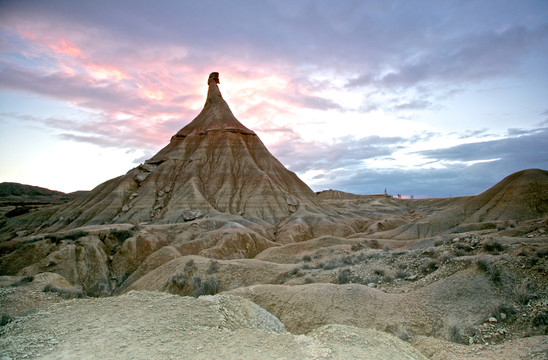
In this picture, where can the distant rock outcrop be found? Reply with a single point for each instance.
(520, 196)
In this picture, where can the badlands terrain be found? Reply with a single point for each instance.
(213, 249)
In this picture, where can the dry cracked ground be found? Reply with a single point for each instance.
(222, 287)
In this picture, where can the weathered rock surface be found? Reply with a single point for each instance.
(427, 311)
(149, 325)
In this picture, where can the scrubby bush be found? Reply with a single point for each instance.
(379, 272)
(307, 258)
(430, 267)
(401, 274)
(5, 319)
(206, 287)
(493, 247)
(213, 267)
(344, 277)
(189, 266)
(76, 235)
(454, 334)
(122, 235)
(494, 272)
(541, 319)
(24, 280)
(178, 280)
(330, 264)
(524, 293)
(508, 309)
(465, 247)
(358, 247)
(542, 253)
(293, 272)
(482, 265)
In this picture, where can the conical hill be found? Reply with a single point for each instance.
(213, 164)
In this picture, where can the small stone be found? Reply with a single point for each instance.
(160, 193)
(493, 319)
(502, 331)
(411, 278)
(372, 284)
(125, 207)
(470, 340)
(502, 316)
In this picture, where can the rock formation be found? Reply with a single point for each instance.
(212, 165)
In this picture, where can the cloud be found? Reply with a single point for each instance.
(523, 150)
(348, 152)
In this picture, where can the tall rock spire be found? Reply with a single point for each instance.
(215, 116)
(212, 165)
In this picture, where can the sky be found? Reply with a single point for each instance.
(424, 98)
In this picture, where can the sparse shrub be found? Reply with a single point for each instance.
(293, 272)
(24, 280)
(387, 248)
(492, 270)
(76, 235)
(65, 293)
(307, 258)
(178, 280)
(524, 293)
(465, 247)
(358, 247)
(379, 272)
(482, 265)
(374, 244)
(495, 274)
(454, 334)
(446, 258)
(308, 280)
(430, 267)
(189, 266)
(508, 309)
(387, 279)
(306, 267)
(401, 274)
(330, 264)
(344, 277)
(541, 319)
(460, 253)
(5, 319)
(213, 267)
(55, 239)
(207, 287)
(542, 253)
(493, 247)
(122, 235)
(439, 243)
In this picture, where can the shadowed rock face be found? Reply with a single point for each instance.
(212, 165)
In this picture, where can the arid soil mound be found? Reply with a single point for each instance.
(150, 325)
(520, 196)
